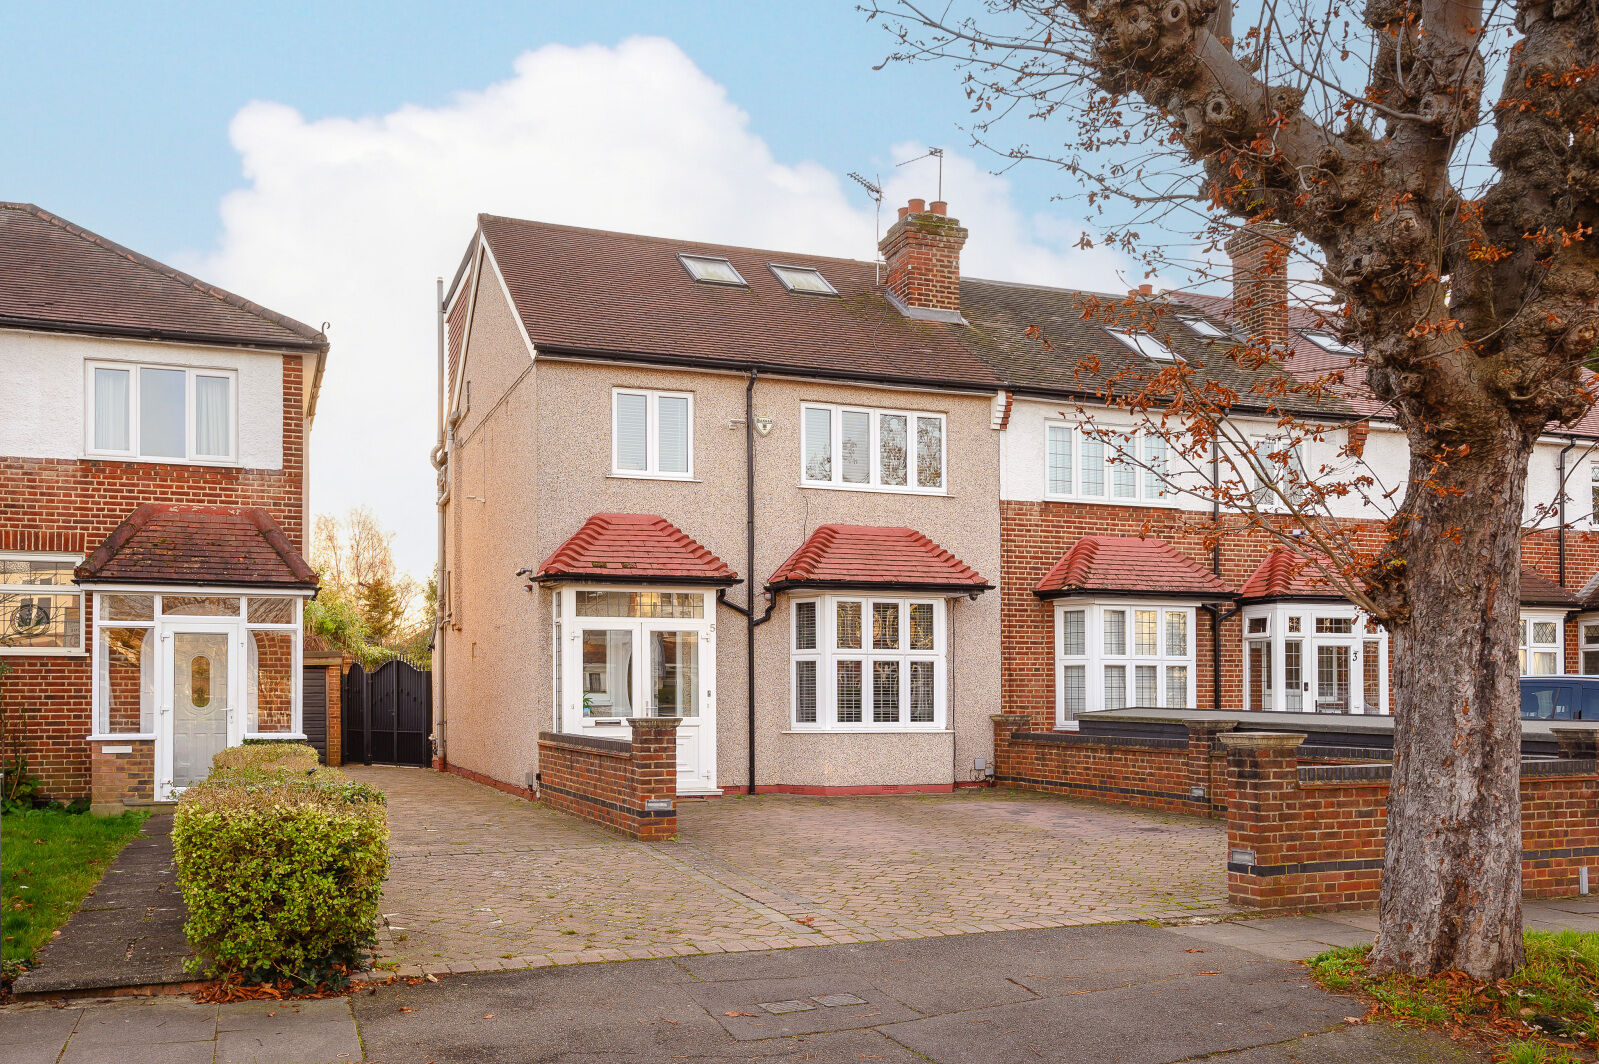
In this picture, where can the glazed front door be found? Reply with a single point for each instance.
(675, 688)
(199, 715)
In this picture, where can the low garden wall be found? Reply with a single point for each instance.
(628, 785)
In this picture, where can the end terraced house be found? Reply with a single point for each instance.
(153, 436)
(834, 516)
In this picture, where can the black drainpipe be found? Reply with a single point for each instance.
(1214, 608)
(1217, 619)
(1561, 487)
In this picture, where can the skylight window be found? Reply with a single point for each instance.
(803, 279)
(1209, 330)
(712, 270)
(1146, 345)
(1328, 342)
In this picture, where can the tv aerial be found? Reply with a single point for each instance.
(930, 153)
(873, 189)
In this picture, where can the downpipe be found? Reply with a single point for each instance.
(440, 457)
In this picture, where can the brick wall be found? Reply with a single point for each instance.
(121, 773)
(614, 781)
(922, 253)
(274, 680)
(71, 506)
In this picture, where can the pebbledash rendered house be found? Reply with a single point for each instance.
(833, 517)
(152, 511)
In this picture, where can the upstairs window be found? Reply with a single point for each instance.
(873, 450)
(1276, 484)
(1085, 464)
(652, 434)
(1146, 344)
(161, 413)
(803, 279)
(712, 269)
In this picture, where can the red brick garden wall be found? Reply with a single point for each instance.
(613, 781)
(121, 773)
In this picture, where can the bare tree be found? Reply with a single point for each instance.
(356, 560)
(1454, 242)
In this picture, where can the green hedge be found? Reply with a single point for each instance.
(281, 864)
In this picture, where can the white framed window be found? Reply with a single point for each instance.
(867, 449)
(1273, 482)
(1120, 654)
(1209, 330)
(867, 663)
(1314, 658)
(712, 269)
(805, 280)
(1328, 342)
(1590, 648)
(1593, 480)
(41, 609)
(1146, 344)
(1542, 643)
(1083, 464)
(161, 413)
(652, 434)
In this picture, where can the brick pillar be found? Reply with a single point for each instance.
(334, 679)
(1006, 726)
(1577, 744)
(1206, 786)
(1262, 810)
(121, 775)
(655, 774)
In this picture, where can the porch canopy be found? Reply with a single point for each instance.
(871, 558)
(1130, 566)
(634, 549)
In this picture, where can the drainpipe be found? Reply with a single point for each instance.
(441, 463)
(1560, 486)
(749, 567)
(1214, 608)
(1217, 619)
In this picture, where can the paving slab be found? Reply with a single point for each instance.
(298, 1042)
(36, 1023)
(1362, 1044)
(33, 1053)
(135, 1022)
(161, 1053)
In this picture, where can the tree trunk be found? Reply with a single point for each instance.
(1451, 889)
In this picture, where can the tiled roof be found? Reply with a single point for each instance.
(1286, 575)
(223, 545)
(1122, 565)
(60, 277)
(1538, 590)
(866, 557)
(634, 548)
(592, 291)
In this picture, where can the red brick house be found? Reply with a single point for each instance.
(152, 512)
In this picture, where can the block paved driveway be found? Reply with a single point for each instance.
(480, 880)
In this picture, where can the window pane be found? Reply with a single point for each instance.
(1092, 481)
(849, 625)
(1146, 633)
(893, 464)
(632, 432)
(271, 610)
(667, 604)
(555, 673)
(127, 607)
(1176, 634)
(1073, 633)
(1335, 625)
(805, 692)
(672, 423)
(162, 426)
(804, 626)
(1293, 675)
(35, 572)
(126, 678)
(1332, 679)
(213, 417)
(922, 696)
(1123, 471)
(200, 606)
(675, 673)
(1177, 686)
(1074, 700)
(921, 626)
(1590, 662)
(930, 452)
(607, 659)
(1543, 632)
(270, 682)
(111, 409)
(1115, 687)
(849, 692)
(40, 621)
(1154, 467)
(1590, 635)
(1371, 677)
(855, 446)
(1543, 663)
(1257, 625)
(1059, 460)
(885, 626)
(1145, 679)
(818, 444)
(885, 692)
(1115, 631)
(1258, 674)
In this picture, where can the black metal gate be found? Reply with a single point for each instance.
(388, 714)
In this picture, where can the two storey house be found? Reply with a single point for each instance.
(152, 513)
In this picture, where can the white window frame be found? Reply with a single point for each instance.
(1588, 636)
(1205, 328)
(1149, 488)
(1266, 493)
(913, 485)
(1277, 618)
(82, 649)
(132, 453)
(1328, 342)
(1527, 647)
(782, 272)
(828, 654)
(688, 259)
(1094, 659)
(652, 435)
(1147, 344)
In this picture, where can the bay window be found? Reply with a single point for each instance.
(1104, 465)
(1542, 649)
(652, 434)
(161, 413)
(870, 449)
(1590, 648)
(1121, 654)
(862, 663)
(1314, 658)
(41, 609)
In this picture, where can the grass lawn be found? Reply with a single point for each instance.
(1543, 1014)
(48, 861)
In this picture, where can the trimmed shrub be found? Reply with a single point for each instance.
(281, 866)
(274, 754)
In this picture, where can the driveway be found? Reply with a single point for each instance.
(481, 880)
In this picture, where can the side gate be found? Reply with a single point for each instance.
(388, 714)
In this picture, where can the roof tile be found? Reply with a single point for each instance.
(222, 545)
(634, 548)
(1120, 565)
(865, 556)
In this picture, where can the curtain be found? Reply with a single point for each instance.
(111, 409)
(212, 429)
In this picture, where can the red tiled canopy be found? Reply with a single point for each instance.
(634, 548)
(867, 557)
(1284, 574)
(1538, 590)
(1127, 565)
(236, 546)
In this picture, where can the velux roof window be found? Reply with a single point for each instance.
(1209, 330)
(1146, 345)
(1328, 342)
(712, 270)
(803, 279)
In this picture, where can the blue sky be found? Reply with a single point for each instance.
(327, 160)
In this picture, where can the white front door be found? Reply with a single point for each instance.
(675, 688)
(198, 715)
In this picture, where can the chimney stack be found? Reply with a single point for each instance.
(923, 255)
(1259, 252)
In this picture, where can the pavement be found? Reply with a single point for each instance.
(1107, 994)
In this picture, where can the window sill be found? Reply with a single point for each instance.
(929, 729)
(136, 459)
(673, 477)
(1101, 500)
(877, 489)
(35, 652)
(142, 737)
(277, 736)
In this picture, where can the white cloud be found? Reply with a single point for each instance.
(348, 220)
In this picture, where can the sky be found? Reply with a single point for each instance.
(327, 160)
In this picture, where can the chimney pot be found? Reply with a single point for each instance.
(922, 254)
(938, 206)
(1146, 289)
(918, 206)
(903, 211)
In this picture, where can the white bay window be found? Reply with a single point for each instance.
(1542, 645)
(1302, 657)
(872, 450)
(161, 413)
(864, 663)
(1120, 654)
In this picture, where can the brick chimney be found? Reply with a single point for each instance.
(923, 255)
(1259, 252)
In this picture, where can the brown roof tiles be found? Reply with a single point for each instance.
(222, 545)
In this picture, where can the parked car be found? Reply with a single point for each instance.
(1560, 698)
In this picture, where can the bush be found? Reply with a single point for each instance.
(281, 864)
